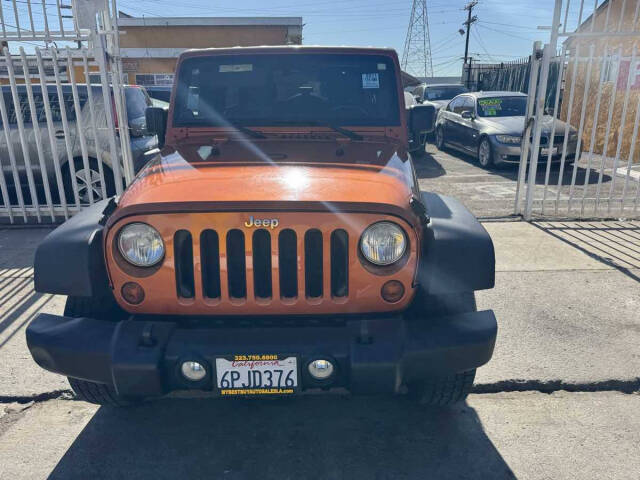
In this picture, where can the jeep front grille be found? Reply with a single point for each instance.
(216, 265)
(256, 251)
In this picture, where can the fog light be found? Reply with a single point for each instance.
(392, 291)
(132, 293)
(321, 369)
(193, 371)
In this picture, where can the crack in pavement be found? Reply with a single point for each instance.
(503, 386)
(40, 397)
(551, 386)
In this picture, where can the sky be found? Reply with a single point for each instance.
(505, 30)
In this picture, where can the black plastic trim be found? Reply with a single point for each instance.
(457, 252)
(70, 260)
(397, 351)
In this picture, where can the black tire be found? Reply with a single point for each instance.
(448, 389)
(97, 393)
(419, 152)
(103, 309)
(445, 391)
(440, 141)
(485, 159)
(78, 164)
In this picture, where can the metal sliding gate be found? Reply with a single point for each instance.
(597, 96)
(62, 101)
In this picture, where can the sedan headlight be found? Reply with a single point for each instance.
(141, 245)
(383, 243)
(512, 139)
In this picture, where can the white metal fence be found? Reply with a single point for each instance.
(597, 99)
(60, 145)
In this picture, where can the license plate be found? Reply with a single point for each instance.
(554, 151)
(257, 375)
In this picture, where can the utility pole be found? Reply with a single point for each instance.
(470, 20)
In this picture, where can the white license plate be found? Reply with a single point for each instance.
(545, 151)
(257, 375)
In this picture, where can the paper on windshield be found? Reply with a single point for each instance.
(242, 67)
(370, 80)
(490, 106)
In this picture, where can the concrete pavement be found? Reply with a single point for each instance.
(567, 298)
(493, 436)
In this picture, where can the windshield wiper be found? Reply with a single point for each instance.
(336, 128)
(248, 132)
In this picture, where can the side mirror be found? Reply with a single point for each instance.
(156, 118)
(468, 114)
(421, 120)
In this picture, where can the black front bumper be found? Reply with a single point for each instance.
(142, 358)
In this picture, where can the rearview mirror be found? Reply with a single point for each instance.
(468, 114)
(156, 118)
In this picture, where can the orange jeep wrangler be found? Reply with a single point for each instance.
(278, 243)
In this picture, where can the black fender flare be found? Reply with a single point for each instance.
(457, 252)
(70, 260)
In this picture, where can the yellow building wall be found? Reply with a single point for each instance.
(202, 36)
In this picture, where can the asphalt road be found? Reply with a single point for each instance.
(490, 193)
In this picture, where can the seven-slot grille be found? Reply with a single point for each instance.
(251, 257)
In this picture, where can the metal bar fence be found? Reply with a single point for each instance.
(597, 96)
(60, 134)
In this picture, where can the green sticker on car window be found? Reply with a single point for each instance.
(490, 106)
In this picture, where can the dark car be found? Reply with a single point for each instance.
(438, 95)
(489, 125)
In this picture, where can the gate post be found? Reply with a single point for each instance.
(540, 96)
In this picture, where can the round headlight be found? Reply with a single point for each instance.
(141, 245)
(383, 243)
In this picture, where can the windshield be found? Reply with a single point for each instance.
(502, 107)
(443, 93)
(298, 89)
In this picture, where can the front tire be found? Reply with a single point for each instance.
(485, 153)
(449, 390)
(445, 390)
(88, 179)
(440, 142)
(97, 393)
(102, 309)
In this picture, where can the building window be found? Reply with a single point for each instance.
(154, 79)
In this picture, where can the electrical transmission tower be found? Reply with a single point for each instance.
(416, 59)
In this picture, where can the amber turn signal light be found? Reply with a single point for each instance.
(392, 291)
(132, 293)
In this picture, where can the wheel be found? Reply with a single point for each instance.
(102, 309)
(86, 179)
(485, 156)
(419, 152)
(440, 145)
(448, 389)
(97, 393)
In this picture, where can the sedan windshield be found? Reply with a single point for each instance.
(443, 93)
(502, 106)
(292, 89)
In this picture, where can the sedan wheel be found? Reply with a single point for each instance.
(89, 179)
(484, 153)
(439, 138)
